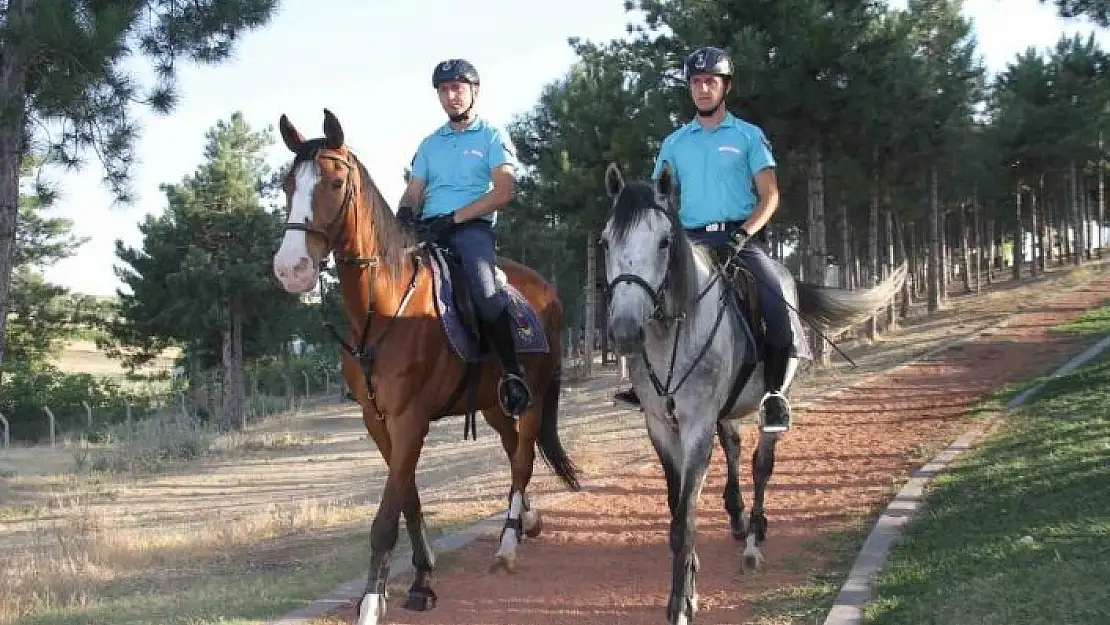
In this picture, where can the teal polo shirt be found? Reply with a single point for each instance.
(456, 165)
(715, 169)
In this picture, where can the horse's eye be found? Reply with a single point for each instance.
(664, 243)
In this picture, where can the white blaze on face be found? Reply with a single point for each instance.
(292, 264)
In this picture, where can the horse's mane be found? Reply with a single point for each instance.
(638, 198)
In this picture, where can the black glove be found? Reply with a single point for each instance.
(407, 214)
(440, 227)
(738, 239)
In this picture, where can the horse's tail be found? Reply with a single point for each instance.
(551, 448)
(838, 308)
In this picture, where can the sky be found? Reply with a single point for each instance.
(370, 62)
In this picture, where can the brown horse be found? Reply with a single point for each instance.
(399, 362)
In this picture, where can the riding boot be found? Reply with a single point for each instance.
(513, 391)
(778, 372)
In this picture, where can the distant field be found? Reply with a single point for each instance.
(82, 356)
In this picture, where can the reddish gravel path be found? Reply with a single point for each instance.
(603, 557)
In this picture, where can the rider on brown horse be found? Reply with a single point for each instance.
(728, 193)
(462, 174)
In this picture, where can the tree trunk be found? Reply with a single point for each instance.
(891, 311)
(845, 249)
(1019, 247)
(1078, 247)
(965, 249)
(1042, 233)
(231, 357)
(815, 180)
(873, 249)
(591, 308)
(991, 251)
(1101, 198)
(978, 230)
(13, 123)
(935, 268)
(1033, 230)
(907, 256)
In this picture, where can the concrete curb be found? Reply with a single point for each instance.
(856, 592)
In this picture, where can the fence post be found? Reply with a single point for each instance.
(307, 391)
(88, 414)
(7, 430)
(53, 425)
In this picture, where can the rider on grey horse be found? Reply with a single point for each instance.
(466, 169)
(727, 193)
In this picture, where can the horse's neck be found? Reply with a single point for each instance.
(700, 317)
(370, 288)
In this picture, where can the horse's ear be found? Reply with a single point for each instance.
(614, 181)
(665, 183)
(289, 135)
(333, 132)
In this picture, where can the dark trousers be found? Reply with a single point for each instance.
(474, 244)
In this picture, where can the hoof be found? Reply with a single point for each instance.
(536, 527)
(508, 563)
(420, 600)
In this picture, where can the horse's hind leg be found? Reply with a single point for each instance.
(520, 448)
(421, 596)
(728, 432)
(763, 465)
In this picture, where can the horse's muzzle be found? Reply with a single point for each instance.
(627, 334)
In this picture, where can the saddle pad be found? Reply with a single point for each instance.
(529, 333)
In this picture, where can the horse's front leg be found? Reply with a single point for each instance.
(728, 432)
(763, 465)
(421, 596)
(407, 435)
(697, 447)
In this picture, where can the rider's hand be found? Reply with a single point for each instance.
(738, 238)
(407, 214)
(441, 226)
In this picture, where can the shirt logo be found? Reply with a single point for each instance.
(728, 148)
(473, 152)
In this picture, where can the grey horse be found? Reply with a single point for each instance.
(693, 362)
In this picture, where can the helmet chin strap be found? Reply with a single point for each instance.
(465, 115)
(716, 107)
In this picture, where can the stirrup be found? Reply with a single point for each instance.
(502, 397)
(774, 428)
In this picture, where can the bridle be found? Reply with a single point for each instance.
(331, 230)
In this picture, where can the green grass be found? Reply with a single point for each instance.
(1096, 321)
(1019, 530)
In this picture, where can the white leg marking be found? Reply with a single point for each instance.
(292, 265)
(372, 609)
(508, 536)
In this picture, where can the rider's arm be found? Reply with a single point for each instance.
(767, 187)
(413, 197)
(504, 187)
(761, 166)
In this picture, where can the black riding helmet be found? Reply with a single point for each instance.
(454, 69)
(708, 60)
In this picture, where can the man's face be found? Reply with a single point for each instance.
(455, 96)
(707, 90)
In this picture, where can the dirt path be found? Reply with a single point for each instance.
(604, 559)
